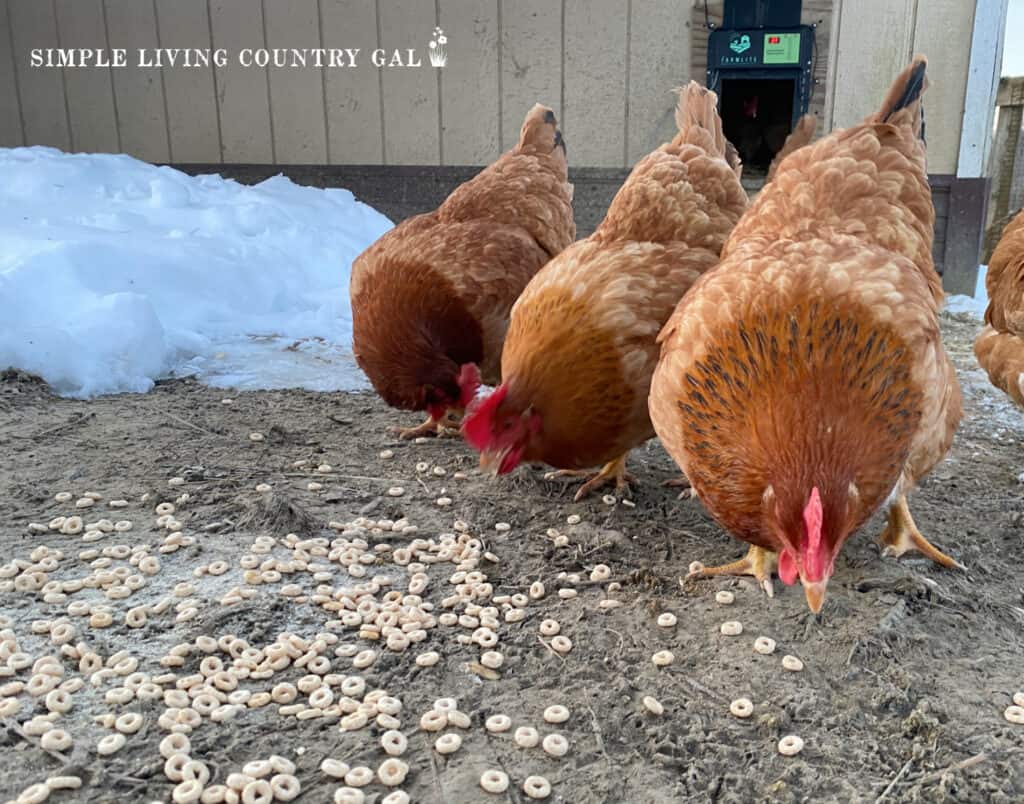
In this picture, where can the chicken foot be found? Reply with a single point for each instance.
(613, 471)
(758, 562)
(901, 535)
(437, 427)
(682, 482)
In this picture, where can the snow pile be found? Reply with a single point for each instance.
(114, 273)
(975, 305)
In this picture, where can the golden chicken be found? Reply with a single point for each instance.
(431, 298)
(1000, 345)
(582, 343)
(801, 135)
(803, 383)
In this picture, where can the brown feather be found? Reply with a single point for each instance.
(1000, 345)
(801, 135)
(582, 343)
(811, 355)
(437, 290)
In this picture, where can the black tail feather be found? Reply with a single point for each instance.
(911, 90)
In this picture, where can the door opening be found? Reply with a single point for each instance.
(757, 117)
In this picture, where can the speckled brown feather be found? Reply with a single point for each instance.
(1000, 345)
(439, 287)
(801, 135)
(581, 346)
(811, 355)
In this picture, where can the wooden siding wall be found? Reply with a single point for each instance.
(606, 66)
(877, 38)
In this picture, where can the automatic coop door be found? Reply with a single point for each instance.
(763, 77)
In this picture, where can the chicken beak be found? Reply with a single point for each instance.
(490, 461)
(815, 593)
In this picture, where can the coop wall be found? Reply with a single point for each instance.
(607, 66)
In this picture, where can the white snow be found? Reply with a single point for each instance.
(972, 305)
(114, 273)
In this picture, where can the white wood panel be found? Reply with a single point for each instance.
(659, 61)
(353, 93)
(984, 67)
(944, 29)
(469, 82)
(243, 99)
(410, 96)
(191, 100)
(595, 82)
(141, 109)
(874, 45)
(531, 65)
(90, 90)
(504, 56)
(296, 93)
(44, 113)
(10, 122)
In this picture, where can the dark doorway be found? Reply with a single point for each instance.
(757, 115)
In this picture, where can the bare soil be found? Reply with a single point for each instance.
(907, 670)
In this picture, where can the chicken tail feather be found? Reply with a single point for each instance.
(801, 135)
(902, 105)
(540, 133)
(698, 106)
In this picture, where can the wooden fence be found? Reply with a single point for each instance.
(1006, 195)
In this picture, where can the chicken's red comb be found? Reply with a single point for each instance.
(814, 557)
(469, 383)
(812, 520)
(477, 424)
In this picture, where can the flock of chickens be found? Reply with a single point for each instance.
(786, 351)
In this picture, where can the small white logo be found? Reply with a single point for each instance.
(740, 44)
(438, 51)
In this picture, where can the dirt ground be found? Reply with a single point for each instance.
(907, 670)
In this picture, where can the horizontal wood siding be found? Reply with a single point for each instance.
(192, 123)
(138, 92)
(530, 64)
(90, 93)
(607, 67)
(659, 61)
(44, 112)
(11, 132)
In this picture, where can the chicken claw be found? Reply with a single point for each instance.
(758, 562)
(901, 535)
(682, 482)
(613, 471)
(445, 427)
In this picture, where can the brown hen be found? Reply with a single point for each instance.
(1000, 345)
(801, 135)
(582, 343)
(431, 298)
(803, 383)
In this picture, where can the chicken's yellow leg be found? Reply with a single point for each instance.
(758, 562)
(901, 535)
(438, 427)
(613, 471)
